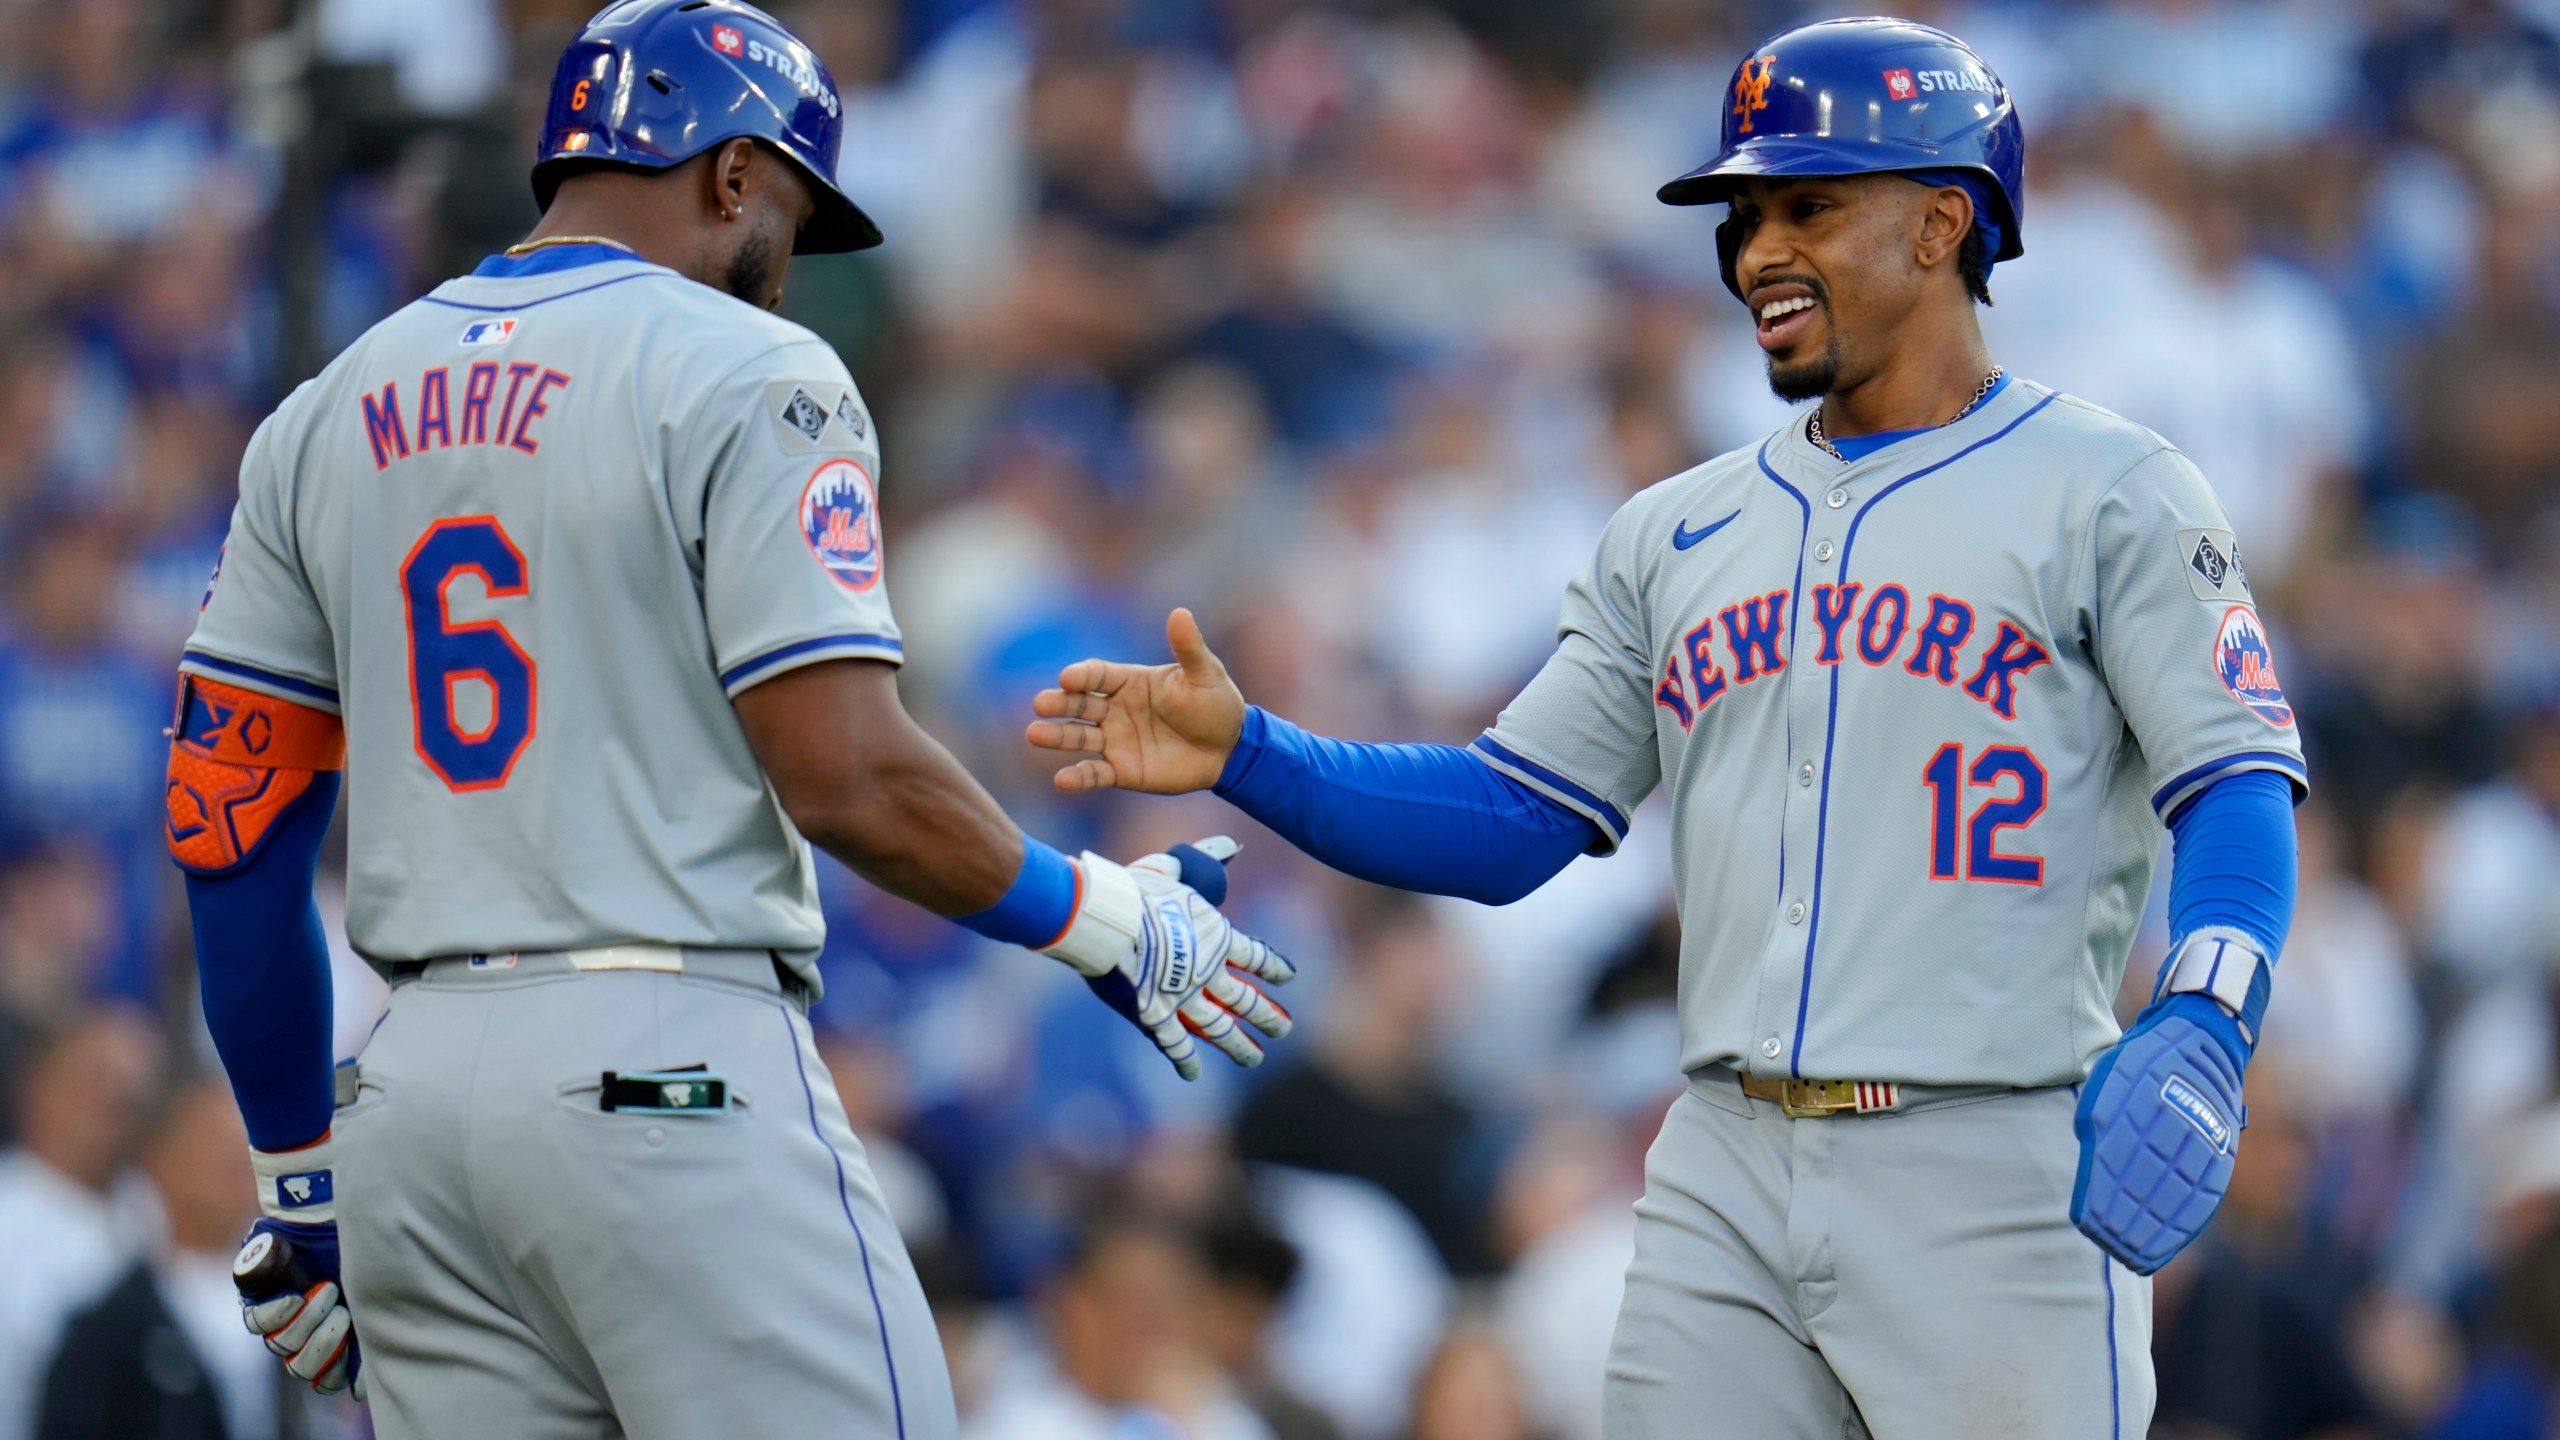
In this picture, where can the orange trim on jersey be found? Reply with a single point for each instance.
(238, 762)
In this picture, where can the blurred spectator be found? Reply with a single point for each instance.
(1469, 1392)
(1364, 1100)
(1567, 1226)
(2247, 1330)
(1250, 1272)
(81, 757)
(172, 1319)
(1127, 1354)
(1369, 1302)
(72, 1210)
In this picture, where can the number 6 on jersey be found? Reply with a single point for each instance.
(445, 658)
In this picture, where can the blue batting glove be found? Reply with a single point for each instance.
(2159, 1126)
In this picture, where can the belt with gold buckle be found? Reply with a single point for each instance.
(1811, 1099)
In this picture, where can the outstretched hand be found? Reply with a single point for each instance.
(1162, 729)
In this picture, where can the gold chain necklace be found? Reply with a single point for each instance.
(1813, 427)
(532, 245)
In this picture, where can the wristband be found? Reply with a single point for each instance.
(1038, 908)
(297, 1185)
(2227, 964)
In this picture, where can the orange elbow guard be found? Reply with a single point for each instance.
(238, 763)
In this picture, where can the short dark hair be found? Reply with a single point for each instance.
(1973, 263)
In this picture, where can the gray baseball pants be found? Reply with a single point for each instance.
(1911, 1275)
(522, 1263)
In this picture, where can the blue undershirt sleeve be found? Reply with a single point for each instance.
(2233, 859)
(262, 966)
(2233, 862)
(1431, 818)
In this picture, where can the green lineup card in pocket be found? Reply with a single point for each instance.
(690, 1091)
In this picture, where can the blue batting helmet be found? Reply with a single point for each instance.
(1854, 97)
(649, 84)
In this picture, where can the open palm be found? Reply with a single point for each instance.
(1162, 729)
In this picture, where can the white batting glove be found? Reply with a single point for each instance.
(1157, 950)
(287, 1270)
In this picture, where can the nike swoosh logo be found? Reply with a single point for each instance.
(1682, 537)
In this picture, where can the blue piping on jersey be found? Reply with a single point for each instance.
(1601, 810)
(844, 1198)
(2115, 1367)
(545, 299)
(264, 677)
(1831, 728)
(770, 658)
(1795, 617)
(2191, 780)
(551, 259)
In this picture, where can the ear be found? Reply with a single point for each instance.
(1946, 215)
(730, 176)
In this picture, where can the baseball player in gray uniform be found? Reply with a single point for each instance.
(1925, 673)
(572, 569)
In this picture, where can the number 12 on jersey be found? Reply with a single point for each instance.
(1979, 856)
(445, 657)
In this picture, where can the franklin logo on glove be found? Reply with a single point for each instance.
(2199, 1112)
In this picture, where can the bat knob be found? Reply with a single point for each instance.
(267, 1265)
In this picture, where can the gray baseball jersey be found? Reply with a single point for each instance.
(529, 536)
(1921, 717)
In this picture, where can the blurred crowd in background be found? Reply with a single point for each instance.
(1347, 323)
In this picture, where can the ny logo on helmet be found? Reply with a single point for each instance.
(1751, 91)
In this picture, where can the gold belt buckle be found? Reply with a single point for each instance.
(1807, 1099)
(1813, 1099)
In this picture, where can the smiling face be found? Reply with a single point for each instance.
(1834, 266)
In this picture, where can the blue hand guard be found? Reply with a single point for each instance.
(2159, 1125)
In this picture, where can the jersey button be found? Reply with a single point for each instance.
(1836, 499)
(1804, 775)
(1772, 1047)
(1795, 913)
(1822, 552)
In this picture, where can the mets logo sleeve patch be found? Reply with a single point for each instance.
(840, 518)
(2247, 665)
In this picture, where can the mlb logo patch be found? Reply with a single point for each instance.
(1899, 85)
(489, 332)
(301, 1192)
(727, 40)
(839, 516)
(2247, 665)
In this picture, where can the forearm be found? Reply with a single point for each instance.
(262, 967)
(923, 829)
(2233, 859)
(2231, 894)
(1416, 817)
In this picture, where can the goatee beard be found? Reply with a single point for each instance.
(1807, 379)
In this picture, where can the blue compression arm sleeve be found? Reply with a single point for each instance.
(2233, 864)
(1416, 817)
(2233, 859)
(262, 964)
